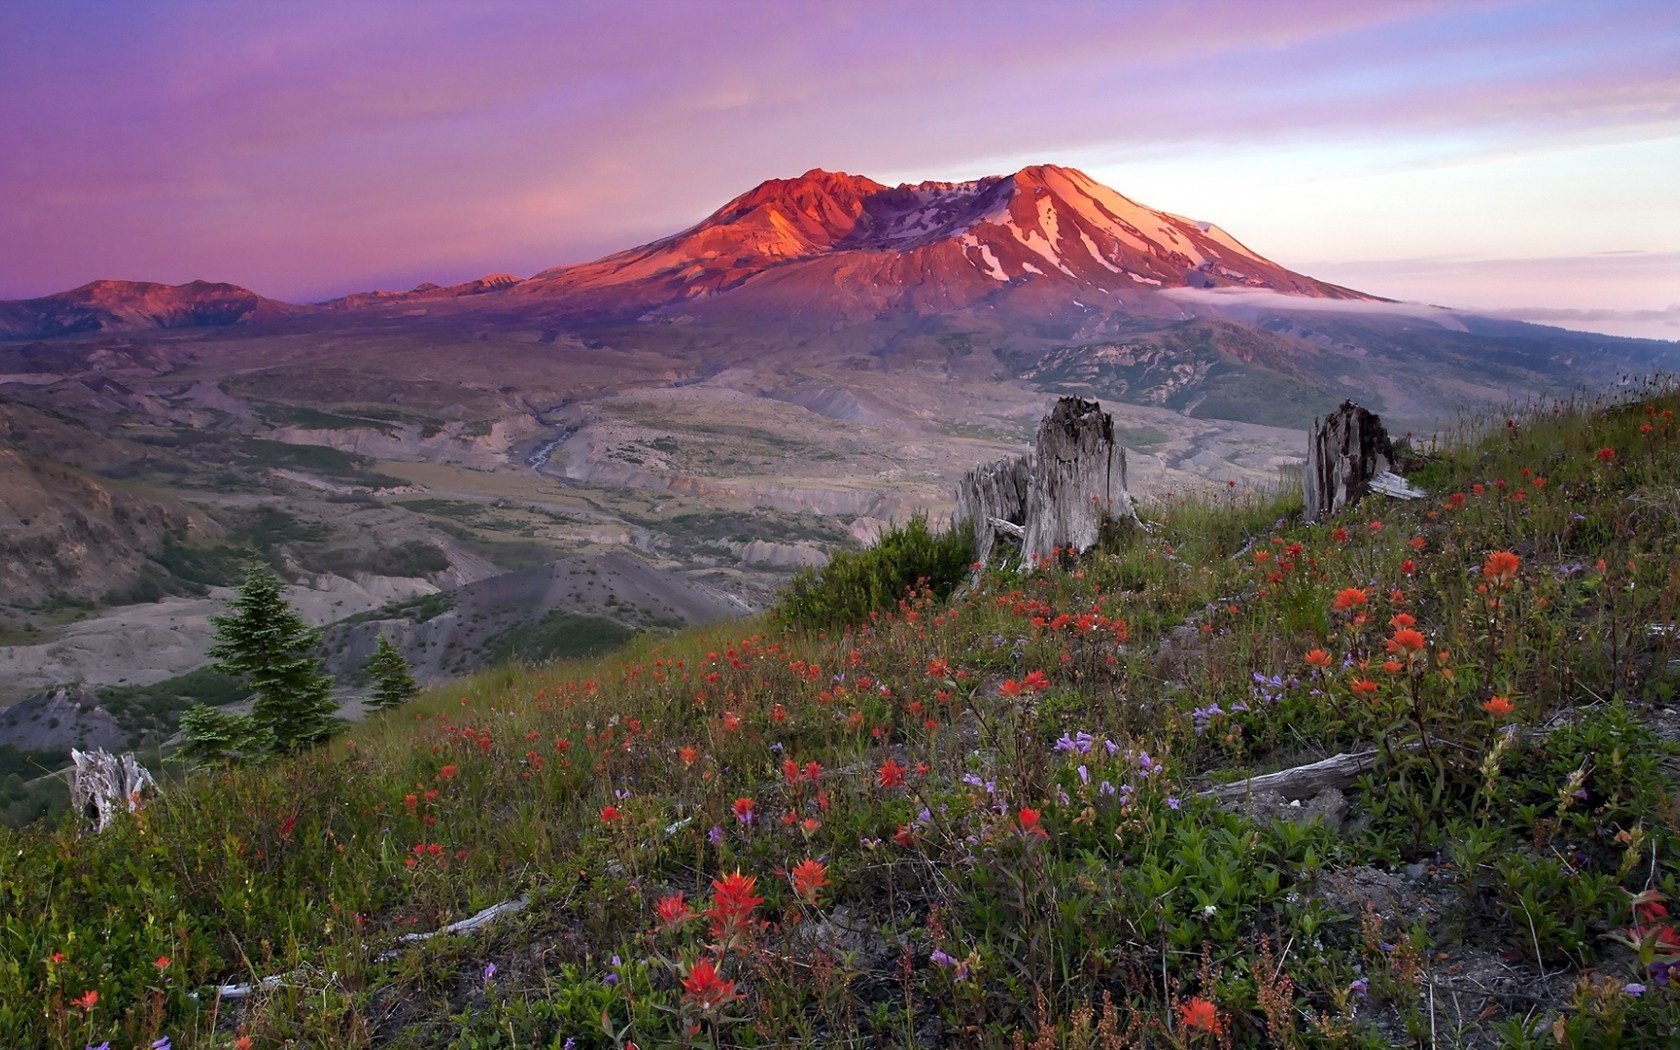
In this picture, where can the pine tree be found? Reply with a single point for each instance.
(214, 735)
(393, 682)
(265, 642)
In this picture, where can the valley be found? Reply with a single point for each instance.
(681, 426)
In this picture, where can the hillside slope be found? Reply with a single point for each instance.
(983, 820)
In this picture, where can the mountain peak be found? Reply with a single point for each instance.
(1047, 234)
(116, 305)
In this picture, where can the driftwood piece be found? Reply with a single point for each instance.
(103, 785)
(1078, 480)
(1058, 497)
(990, 493)
(1341, 770)
(1302, 782)
(471, 924)
(1349, 455)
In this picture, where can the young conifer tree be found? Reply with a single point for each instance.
(268, 645)
(393, 682)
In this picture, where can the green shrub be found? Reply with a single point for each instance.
(857, 583)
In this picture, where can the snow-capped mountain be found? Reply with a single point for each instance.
(847, 241)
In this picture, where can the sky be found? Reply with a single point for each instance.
(1513, 157)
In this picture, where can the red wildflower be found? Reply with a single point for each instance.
(1030, 823)
(1501, 567)
(1402, 620)
(673, 911)
(1009, 687)
(809, 878)
(890, 775)
(609, 814)
(1365, 687)
(1406, 642)
(1497, 706)
(1036, 681)
(86, 1001)
(732, 904)
(1349, 598)
(1199, 1015)
(743, 808)
(1318, 658)
(705, 988)
(449, 772)
(161, 962)
(689, 756)
(1605, 455)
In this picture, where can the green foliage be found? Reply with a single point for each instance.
(557, 635)
(267, 645)
(214, 735)
(857, 583)
(1004, 791)
(393, 682)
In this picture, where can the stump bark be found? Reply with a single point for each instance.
(1078, 480)
(1349, 455)
(993, 495)
(1056, 499)
(104, 785)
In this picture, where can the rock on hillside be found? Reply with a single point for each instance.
(60, 719)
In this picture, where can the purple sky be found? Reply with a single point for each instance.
(1510, 156)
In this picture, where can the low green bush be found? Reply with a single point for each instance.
(857, 583)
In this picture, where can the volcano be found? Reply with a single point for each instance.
(1040, 240)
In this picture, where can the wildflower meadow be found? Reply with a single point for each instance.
(978, 813)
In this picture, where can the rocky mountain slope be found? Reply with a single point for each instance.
(119, 306)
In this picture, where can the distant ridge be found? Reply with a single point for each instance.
(120, 306)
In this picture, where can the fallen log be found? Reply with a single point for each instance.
(471, 924)
(1300, 782)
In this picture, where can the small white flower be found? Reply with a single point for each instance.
(1209, 911)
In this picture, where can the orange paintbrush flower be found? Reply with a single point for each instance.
(1501, 567)
(1349, 598)
(1497, 706)
(705, 988)
(809, 878)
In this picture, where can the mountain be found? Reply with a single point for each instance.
(122, 306)
(1040, 240)
(426, 292)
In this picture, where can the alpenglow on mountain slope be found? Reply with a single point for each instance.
(1041, 240)
(849, 242)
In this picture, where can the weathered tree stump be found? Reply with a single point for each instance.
(1078, 481)
(1349, 455)
(991, 496)
(1058, 498)
(104, 785)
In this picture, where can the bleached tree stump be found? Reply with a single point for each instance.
(1078, 481)
(1058, 498)
(104, 785)
(1349, 455)
(991, 496)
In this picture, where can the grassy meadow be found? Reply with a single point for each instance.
(978, 820)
